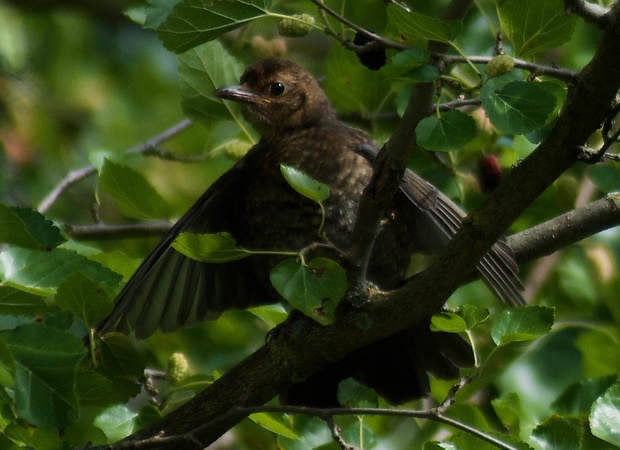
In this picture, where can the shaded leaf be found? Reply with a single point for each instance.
(413, 25)
(45, 359)
(14, 302)
(352, 394)
(25, 227)
(85, 298)
(307, 287)
(132, 194)
(446, 132)
(202, 70)
(534, 26)
(518, 107)
(558, 433)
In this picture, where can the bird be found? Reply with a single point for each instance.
(252, 202)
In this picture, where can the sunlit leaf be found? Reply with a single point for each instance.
(116, 422)
(448, 322)
(194, 22)
(605, 416)
(558, 433)
(274, 423)
(304, 185)
(413, 25)
(522, 323)
(213, 248)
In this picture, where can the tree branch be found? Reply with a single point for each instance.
(566, 229)
(78, 175)
(590, 12)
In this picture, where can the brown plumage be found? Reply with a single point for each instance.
(253, 202)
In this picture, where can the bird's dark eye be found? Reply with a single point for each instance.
(277, 89)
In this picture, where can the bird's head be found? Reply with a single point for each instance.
(277, 96)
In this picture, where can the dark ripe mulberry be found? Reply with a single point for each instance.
(374, 58)
(490, 172)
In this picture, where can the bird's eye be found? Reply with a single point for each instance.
(277, 89)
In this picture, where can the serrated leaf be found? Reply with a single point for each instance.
(446, 132)
(27, 228)
(352, 394)
(203, 70)
(85, 298)
(274, 423)
(307, 287)
(605, 416)
(522, 323)
(131, 193)
(14, 302)
(577, 399)
(45, 359)
(535, 26)
(413, 25)
(194, 22)
(116, 422)
(448, 322)
(519, 107)
(212, 248)
(557, 433)
(41, 273)
(157, 11)
(304, 185)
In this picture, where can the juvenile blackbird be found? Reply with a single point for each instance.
(254, 203)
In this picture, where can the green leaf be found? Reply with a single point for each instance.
(274, 423)
(473, 315)
(93, 389)
(157, 11)
(518, 107)
(535, 26)
(352, 394)
(307, 287)
(122, 364)
(414, 57)
(194, 22)
(272, 315)
(606, 177)
(446, 132)
(557, 433)
(413, 25)
(522, 323)
(577, 399)
(41, 273)
(448, 322)
(35, 438)
(599, 351)
(131, 192)
(116, 422)
(14, 302)
(203, 70)
(213, 248)
(27, 228)
(605, 416)
(304, 185)
(45, 359)
(508, 409)
(85, 298)
(423, 74)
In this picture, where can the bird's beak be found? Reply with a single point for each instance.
(236, 93)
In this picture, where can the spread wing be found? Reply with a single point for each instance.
(170, 290)
(497, 268)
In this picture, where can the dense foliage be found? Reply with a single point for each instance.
(98, 157)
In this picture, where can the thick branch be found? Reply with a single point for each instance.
(567, 229)
(590, 12)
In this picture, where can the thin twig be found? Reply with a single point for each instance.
(78, 175)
